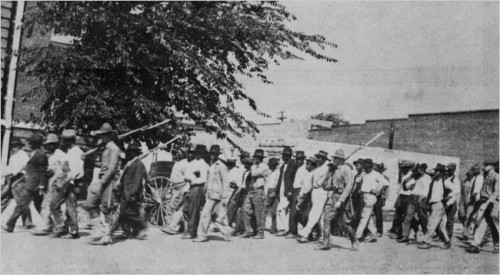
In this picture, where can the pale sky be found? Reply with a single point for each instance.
(395, 58)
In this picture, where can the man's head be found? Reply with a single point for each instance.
(273, 163)
(286, 154)
(258, 156)
(243, 155)
(475, 170)
(134, 149)
(105, 133)
(489, 165)
(439, 171)
(214, 153)
(200, 151)
(339, 157)
(51, 144)
(359, 165)
(300, 157)
(35, 141)
(68, 137)
(311, 163)
(368, 165)
(247, 163)
(451, 168)
(231, 163)
(321, 157)
(16, 144)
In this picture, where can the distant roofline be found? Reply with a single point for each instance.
(411, 115)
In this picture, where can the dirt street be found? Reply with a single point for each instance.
(24, 253)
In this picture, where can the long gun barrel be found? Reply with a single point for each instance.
(366, 144)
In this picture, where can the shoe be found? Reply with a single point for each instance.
(40, 232)
(355, 246)
(302, 239)
(228, 233)
(379, 235)
(436, 239)
(7, 228)
(403, 240)
(463, 238)
(187, 237)
(246, 235)
(391, 231)
(200, 240)
(123, 236)
(373, 240)
(291, 236)
(282, 234)
(70, 236)
(102, 241)
(369, 239)
(28, 226)
(169, 231)
(425, 246)
(142, 235)
(268, 229)
(323, 247)
(258, 237)
(447, 245)
(473, 249)
(216, 229)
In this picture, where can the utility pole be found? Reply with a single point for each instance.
(282, 117)
(391, 136)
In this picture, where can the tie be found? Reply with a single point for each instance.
(248, 180)
(472, 189)
(280, 179)
(429, 195)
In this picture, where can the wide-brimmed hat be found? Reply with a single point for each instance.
(339, 154)
(359, 161)
(231, 160)
(406, 163)
(68, 134)
(215, 150)
(368, 162)
(490, 162)
(247, 160)
(451, 166)
(312, 159)
(134, 146)
(440, 168)
(200, 148)
(36, 139)
(258, 153)
(380, 166)
(287, 151)
(105, 128)
(475, 168)
(15, 141)
(322, 154)
(244, 154)
(300, 155)
(51, 138)
(273, 161)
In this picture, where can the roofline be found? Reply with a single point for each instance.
(457, 112)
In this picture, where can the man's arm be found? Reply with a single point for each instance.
(494, 195)
(349, 183)
(114, 159)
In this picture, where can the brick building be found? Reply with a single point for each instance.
(470, 135)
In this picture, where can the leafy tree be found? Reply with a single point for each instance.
(335, 118)
(139, 63)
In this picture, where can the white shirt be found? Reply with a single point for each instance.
(17, 162)
(319, 175)
(478, 185)
(454, 187)
(75, 162)
(373, 180)
(56, 162)
(179, 171)
(410, 183)
(422, 186)
(282, 183)
(299, 177)
(272, 180)
(437, 191)
(307, 183)
(200, 166)
(236, 175)
(259, 175)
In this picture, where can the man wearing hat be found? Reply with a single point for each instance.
(58, 170)
(34, 183)
(100, 192)
(297, 185)
(437, 205)
(452, 193)
(373, 184)
(339, 186)
(356, 196)
(318, 196)
(130, 192)
(17, 161)
(473, 206)
(487, 215)
(403, 198)
(465, 191)
(284, 190)
(241, 185)
(255, 200)
(271, 203)
(174, 216)
(196, 177)
(381, 199)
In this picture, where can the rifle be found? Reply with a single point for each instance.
(123, 136)
(366, 144)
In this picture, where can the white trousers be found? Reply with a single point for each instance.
(282, 215)
(318, 199)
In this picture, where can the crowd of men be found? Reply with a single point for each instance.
(299, 197)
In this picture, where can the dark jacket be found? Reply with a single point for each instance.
(36, 171)
(288, 178)
(132, 181)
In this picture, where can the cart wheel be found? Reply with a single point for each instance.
(156, 199)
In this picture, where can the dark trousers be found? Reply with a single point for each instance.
(235, 203)
(450, 212)
(400, 213)
(71, 222)
(356, 209)
(416, 205)
(254, 206)
(192, 210)
(131, 216)
(379, 214)
(23, 198)
(337, 215)
(293, 220)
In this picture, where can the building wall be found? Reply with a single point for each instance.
(472, 136)
(7, 23)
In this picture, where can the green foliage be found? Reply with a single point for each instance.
(335, 118)
(138, 63)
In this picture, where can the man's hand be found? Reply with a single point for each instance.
(338, 204)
